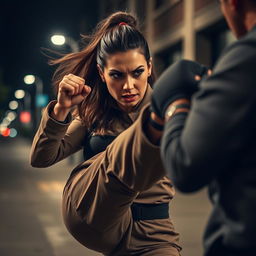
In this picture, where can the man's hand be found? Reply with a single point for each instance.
(180, 80)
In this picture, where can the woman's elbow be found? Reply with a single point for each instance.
(38, 163)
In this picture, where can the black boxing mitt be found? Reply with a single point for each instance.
(178, 81)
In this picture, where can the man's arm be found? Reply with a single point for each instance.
(197, 146)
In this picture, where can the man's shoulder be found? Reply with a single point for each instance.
(249, 40)
(250, 36)
(238, 52)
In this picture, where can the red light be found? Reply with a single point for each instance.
(25, 117)
(6, 132)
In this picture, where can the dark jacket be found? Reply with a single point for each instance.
(215, 145)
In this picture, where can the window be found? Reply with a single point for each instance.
(166, 57)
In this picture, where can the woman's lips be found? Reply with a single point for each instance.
(129, 97)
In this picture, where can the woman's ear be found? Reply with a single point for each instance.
(101, 73)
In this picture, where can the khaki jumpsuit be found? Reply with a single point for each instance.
(97, 197)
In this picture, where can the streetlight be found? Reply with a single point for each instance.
(13, 104)
(59, 39)
(6, 121)
(11, 115)
(19, 94)
(40, 98)
(30, 79)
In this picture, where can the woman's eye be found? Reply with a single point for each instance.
(115, 75)
(138, 72)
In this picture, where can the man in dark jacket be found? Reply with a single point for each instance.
(210, 139)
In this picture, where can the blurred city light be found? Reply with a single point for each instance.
(11, 115)
(6, 121)
(42, 100)
(58, 39)
(25, 117)
(13, 105)
(29, 79)
(6, 132)
(13, 133)
(19, 94)
(7, 118)
(2, 128)
(61, 40)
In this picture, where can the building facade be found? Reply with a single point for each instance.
(191, 29)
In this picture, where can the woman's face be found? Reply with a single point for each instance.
(126, 75)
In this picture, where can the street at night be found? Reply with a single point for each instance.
(31, 221)
(104, 60)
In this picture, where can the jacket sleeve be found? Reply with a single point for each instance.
(199, 146)
(55, 140)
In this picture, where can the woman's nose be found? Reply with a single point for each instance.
(129, 83)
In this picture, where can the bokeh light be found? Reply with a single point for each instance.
(19, 94)
(13, 104)
(29, 79)
(58, 39)
(25, 117)
(11, 115)
(13, 133)
(6, 132)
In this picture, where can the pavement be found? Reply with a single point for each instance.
(30, 213)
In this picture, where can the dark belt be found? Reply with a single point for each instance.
(149, 211)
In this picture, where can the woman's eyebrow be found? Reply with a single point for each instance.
(141, 66)
(115, 70)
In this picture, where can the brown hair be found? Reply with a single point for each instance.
(99, 108)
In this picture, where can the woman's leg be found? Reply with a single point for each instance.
(96, 207)
(97, 199)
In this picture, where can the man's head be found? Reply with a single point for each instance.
(239, 14)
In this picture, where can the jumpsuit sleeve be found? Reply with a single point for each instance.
(198, 146)
(55, 140)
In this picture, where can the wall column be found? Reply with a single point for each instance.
(189, 31)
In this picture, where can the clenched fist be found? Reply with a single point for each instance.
(72, 91)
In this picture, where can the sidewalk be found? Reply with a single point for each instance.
(30, 218)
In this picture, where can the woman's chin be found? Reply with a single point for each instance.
(128, 107)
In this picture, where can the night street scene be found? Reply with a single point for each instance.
(32, 32)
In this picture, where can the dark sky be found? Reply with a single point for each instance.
(26, 26)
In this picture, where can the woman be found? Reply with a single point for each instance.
(116, 202)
